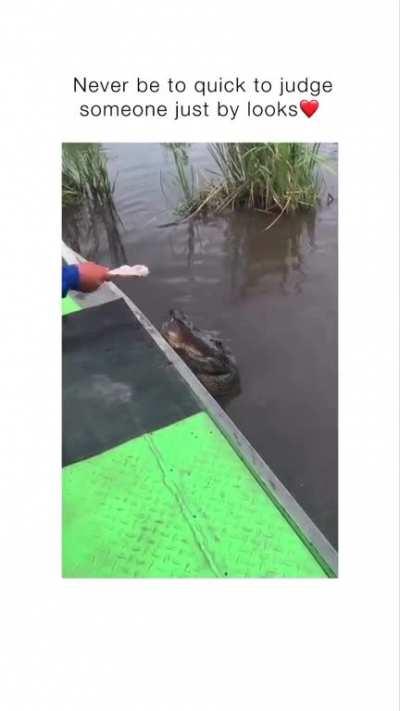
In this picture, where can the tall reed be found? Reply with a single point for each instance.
(84, 175)
(185, 180)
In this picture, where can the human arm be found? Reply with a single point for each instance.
(85, 277)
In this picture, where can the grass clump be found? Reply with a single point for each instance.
(281, 177)
(85, 177)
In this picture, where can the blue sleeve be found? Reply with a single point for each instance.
(70, 279)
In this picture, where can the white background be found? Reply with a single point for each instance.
(198, 645)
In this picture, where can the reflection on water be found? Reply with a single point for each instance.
(258, 262)
(272, 295)
(92, 229)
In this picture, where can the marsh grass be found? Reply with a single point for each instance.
(90, 218)
(85, 177)
(270, 177)
(185, 181)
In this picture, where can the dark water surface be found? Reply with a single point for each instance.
(272, 295)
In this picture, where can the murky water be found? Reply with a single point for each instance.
(272, 295)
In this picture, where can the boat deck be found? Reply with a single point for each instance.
(152, 484)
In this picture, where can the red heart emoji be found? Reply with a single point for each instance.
(309, 107)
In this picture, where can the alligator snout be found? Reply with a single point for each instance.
(205, 354)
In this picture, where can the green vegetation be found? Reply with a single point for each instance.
(84, 175)
(277, 177)
(185, 180)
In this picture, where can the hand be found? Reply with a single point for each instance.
(91, 276)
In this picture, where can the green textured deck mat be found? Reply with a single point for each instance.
(177, 502)
(69, 306)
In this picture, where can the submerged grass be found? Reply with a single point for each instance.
(281, 177)
(84, 175)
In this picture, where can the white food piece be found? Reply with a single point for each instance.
(138, 270)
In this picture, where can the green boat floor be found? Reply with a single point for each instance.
(69, 306)
(177, 502)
